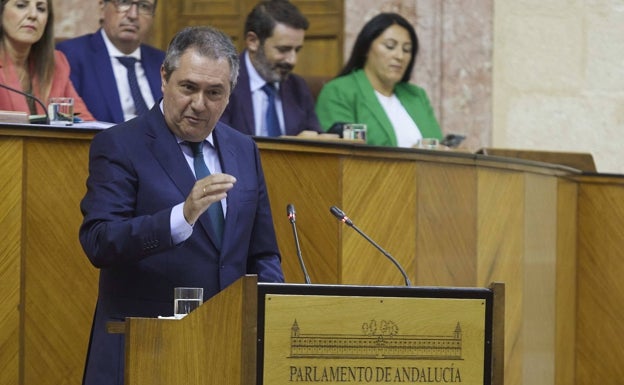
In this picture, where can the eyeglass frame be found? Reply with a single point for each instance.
(137, 3)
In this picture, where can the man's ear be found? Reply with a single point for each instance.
(102, 4)
(163, 78)
(252, 41)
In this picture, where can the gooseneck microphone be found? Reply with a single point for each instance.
(345, 219)
(29, 96)
(290, 210)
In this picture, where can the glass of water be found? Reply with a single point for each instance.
(354, 131)
(61, 111)
(428, 143)
(186, 299)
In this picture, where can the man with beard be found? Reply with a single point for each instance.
(282, 102)
(116, 75)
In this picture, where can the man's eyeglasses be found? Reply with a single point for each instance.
(143, 7)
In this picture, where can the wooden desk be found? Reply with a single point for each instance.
(49, 287)
(550, 233)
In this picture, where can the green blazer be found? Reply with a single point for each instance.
(351, 99)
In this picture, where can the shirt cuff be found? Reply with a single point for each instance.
(180, 228)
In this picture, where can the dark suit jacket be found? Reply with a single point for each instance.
(93, 78)
(297, 103)
(137, 173)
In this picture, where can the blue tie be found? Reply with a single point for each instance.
(215, 211)
(270, 120)
(139, 103)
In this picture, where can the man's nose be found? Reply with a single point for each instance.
(291, 57)
(133, 11)
(198, 101)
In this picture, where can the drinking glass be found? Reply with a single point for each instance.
(186, 299)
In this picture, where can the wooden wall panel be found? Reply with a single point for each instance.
(227, 15)
(374, 191)
(11, 158)
(501, 250)
(565, 310)
(318, 58)
(60, 284)
(600, 313)
(539, 275)
(322, 53)
(306, 181)
(446, 223)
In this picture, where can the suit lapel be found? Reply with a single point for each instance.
(292, 111)
(229, 165)
(166, 150)
(163, 145)
(152, 67)
(103, 72)
(245, 97)
(370, 102)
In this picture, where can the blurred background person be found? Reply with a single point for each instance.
(28, 61)
(282, 102)
(116, 75)
(373, 87)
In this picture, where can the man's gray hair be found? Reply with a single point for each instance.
(208, 42)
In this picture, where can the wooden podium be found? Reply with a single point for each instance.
(275, 334)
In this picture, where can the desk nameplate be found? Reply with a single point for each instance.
(313, 339)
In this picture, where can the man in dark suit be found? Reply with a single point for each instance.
(274, 33)
(102, 79)
(148, 223)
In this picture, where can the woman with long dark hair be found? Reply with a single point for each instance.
(373, 87)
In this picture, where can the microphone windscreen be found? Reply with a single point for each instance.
(290, 211)
(337, 212)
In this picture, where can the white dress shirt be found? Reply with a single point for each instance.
(121, 77)
(181, 230)
(260, 100)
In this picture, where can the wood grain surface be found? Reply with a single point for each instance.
(218, 337)
(11, 220)
(600, 314)
(551, 235)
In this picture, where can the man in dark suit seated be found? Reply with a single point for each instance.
(116, 75)
(174, 199)
(282, 102)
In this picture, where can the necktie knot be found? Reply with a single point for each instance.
(269, 89)
(197, 148)
(127, 61)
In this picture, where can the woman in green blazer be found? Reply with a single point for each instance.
(373, 87)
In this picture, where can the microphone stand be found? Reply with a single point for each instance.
(291, 217)
(343, 218)
(384, 252)
(29, 96)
